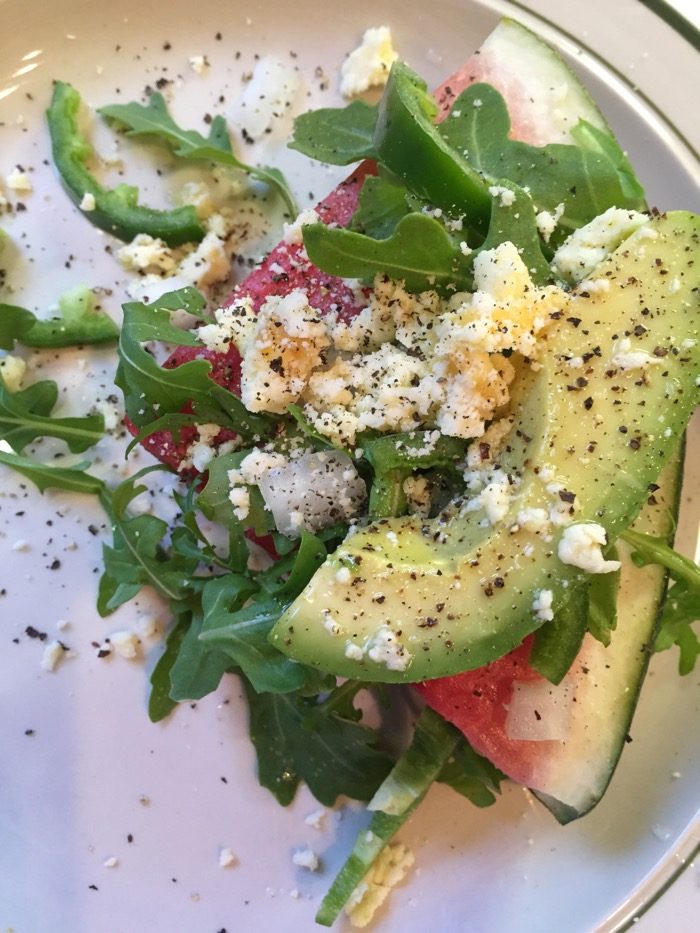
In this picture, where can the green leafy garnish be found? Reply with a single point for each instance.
(154, 120)
(15, 322)
(381, 205)
(586, 181)
(137, 557)
(602, 602)
(681, 611)
(471, 775)
(331, 754)
(26, 415)
(154, 393)
(513, 219)
(160, 703)
(198, 667)
(419, 252)
(336, 135)
(71, 479)
(682, 607)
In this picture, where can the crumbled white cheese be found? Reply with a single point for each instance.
(235, 324)
(493, 493)
(112, 413)
(580, 253)
(208, 264)
(385, 648)
(12, 370)
(387, 871)
(316, 819)
(147, 254)
(564, 504)
(306, 858)
(227, 857)
(281, 352)
(534, 520)
(581, 546)
(199, 64)
(547, 221)
(505, 195)
(369, 64)
(146, 626)
(125, 643)
(353, 652)
(19, 181)
(88, 202)
(542, 605)
(418, 491)
(54, 652)
(343, 576)
(292, 233)
(201, 451)
(594, 286)
(625, 358)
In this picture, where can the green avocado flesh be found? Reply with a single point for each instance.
(410, 599)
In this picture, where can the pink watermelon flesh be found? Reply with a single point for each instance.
(475, 701)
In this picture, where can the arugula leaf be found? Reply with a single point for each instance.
(25, 415)
(243, 636)
(419, 252)
(558, 642)
(681, 611)
(309, 556)
(381, 205)
(587, 182)
(647, 549)
(309, 431)
(198, 668)
(71, 479)
(394, 457)
(336, 135)
(154, 120)
(137, 557)
(215, 503)
(471, 775)
(333, 756)
(412, 450)
(160, 703)
(596, 140)
(602, 602)
(682, 608)
(515, 221)
(151, 392)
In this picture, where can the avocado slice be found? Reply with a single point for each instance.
(407, 599)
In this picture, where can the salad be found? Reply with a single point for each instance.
(419, 443)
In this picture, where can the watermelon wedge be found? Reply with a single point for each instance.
(570, 765)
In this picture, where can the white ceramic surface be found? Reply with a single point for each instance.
(94, 770)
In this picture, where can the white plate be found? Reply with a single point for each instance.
(94, 770)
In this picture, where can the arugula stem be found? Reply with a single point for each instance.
(656, 550)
